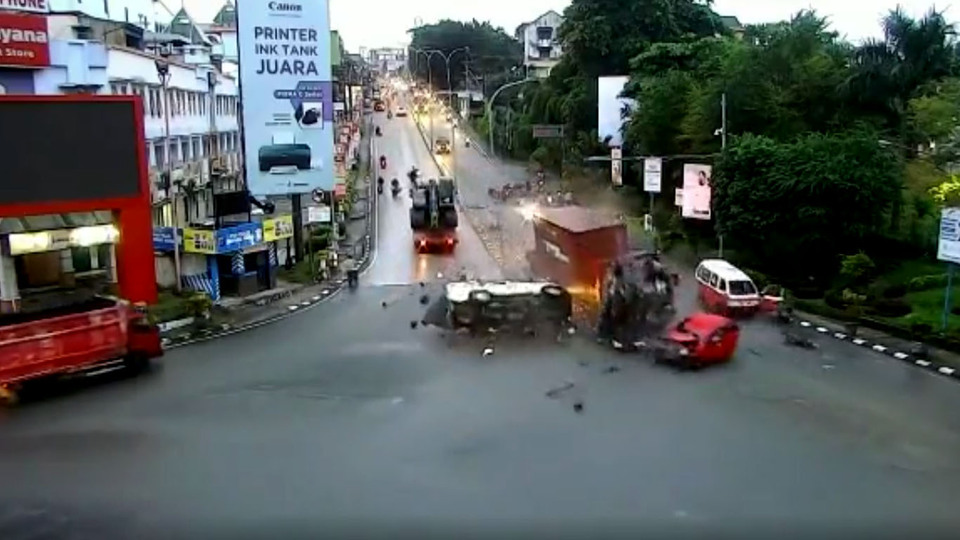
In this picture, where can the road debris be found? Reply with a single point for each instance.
(383, 304)
(611, 369)
(413, 324)
(790, 338)
(424, 299)
(554, 393)
(578, 407)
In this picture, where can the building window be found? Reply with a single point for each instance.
(149, 155)
(185, 149)
(174, 152)
(544, 32)
(159, 154)
(196, 148)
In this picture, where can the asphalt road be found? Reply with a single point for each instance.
(346, 418)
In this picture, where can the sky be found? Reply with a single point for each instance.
(384, 23)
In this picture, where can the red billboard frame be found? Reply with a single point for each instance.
(133, 216)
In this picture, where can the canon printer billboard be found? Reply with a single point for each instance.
(286, 95)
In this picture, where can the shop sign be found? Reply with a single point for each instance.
(163, 238)
(239, 237)
(27, 6)
(277, 228)
(319, 214)
(200, 241)
(24, 41)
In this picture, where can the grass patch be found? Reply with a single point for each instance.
(298, 273)
(170, 307)
(928, 309)
(908, 270)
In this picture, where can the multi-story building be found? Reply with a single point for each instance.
(387, 59)
(122, 47)
(541, 46)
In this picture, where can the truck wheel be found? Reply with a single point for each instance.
(136, 363)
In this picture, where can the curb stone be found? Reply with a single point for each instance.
(928, 365)
(330, 290)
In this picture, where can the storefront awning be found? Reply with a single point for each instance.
(49, 222)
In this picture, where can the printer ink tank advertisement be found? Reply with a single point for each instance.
(286, 95)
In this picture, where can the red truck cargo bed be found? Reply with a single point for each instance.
(63, 344)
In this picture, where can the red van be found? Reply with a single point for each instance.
(723, 288)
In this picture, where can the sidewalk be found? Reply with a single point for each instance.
(288, 298)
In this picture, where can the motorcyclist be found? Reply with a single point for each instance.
(378, 131)
(350, 268)
(383, 161)
(395, 187)
(379, 184)
(413, 174)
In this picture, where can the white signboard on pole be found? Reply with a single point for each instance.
(652, 170)
(616, 166)
(948, 248)
(319, 214)
(286, 95)
(696, 191)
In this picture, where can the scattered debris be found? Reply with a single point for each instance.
(555, 392)
(383, 304)
(611, 369)
(798, 341)
(422, 284)
(487, 352)
(578, 407)
(413, 324)
(424, 299)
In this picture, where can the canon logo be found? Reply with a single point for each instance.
(284, 6)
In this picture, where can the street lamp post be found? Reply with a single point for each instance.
(490, 107)
(163, 73)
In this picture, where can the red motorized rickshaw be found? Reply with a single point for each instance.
(699, 340)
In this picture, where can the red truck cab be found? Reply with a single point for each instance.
(97, 333)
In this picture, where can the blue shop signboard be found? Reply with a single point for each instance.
(239, 237)
(163, 238)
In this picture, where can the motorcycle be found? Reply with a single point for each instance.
(389, 115)
(379, 133)
(395, 188)
(467, 143)
(380, 186)
(383, 162)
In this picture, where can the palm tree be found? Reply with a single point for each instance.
(886, 73)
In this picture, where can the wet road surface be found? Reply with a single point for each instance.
(346, 417)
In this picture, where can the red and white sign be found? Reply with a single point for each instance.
(29, 6)
(24, 41)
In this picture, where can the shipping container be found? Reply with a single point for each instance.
(573, 245)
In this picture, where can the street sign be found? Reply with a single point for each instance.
(678, 197)
(547, 131)
(318, 196)
(616, 166)
(652, 171)
(948, 248)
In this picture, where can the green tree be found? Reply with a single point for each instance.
(795, 205)
(491, 50)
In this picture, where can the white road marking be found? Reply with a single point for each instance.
(946, 370)
(315, 297)
(879, 348)
(838, 335)
(859, 341)
(804, 323)
(293, 308)
(305, 303)
(822, 330)
(900, 355)
(922, 363)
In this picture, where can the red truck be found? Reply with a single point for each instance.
(98, 333)
(574, 246)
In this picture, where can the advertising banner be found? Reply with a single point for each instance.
(287, 95)
(26, 6)
(611, 108)
(948, 248)
(24, 41)
(239, 237)
(616, 166)
(163, 238)
(696, 191)
(200, 241)
(652, 171)
(277, 228)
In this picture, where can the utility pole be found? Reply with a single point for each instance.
(163, 73)
(490, 108)
(723, 145)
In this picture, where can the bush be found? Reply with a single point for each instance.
(833, 298)
(857, 270)
(759, 279)
(897, 290)
(890, 307)
(925, 283)
(921, 328)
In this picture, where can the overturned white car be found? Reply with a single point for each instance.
(525, 306)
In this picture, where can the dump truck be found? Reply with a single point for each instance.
(626, 294)
(90, 335)
(433, 215)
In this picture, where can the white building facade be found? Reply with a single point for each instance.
(541, 46)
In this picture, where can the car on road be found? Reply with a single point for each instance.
(401, 111)
(379, 106)
(698, 340)
(442, 145)
(524, 306)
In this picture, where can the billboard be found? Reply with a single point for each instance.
(611, 108)
(286, 94)
(696, 191)
(67, 167)
(27, 6)
(24, 41)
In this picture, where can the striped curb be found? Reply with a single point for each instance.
(906, 357)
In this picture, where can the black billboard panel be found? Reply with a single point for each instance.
(68, 150)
